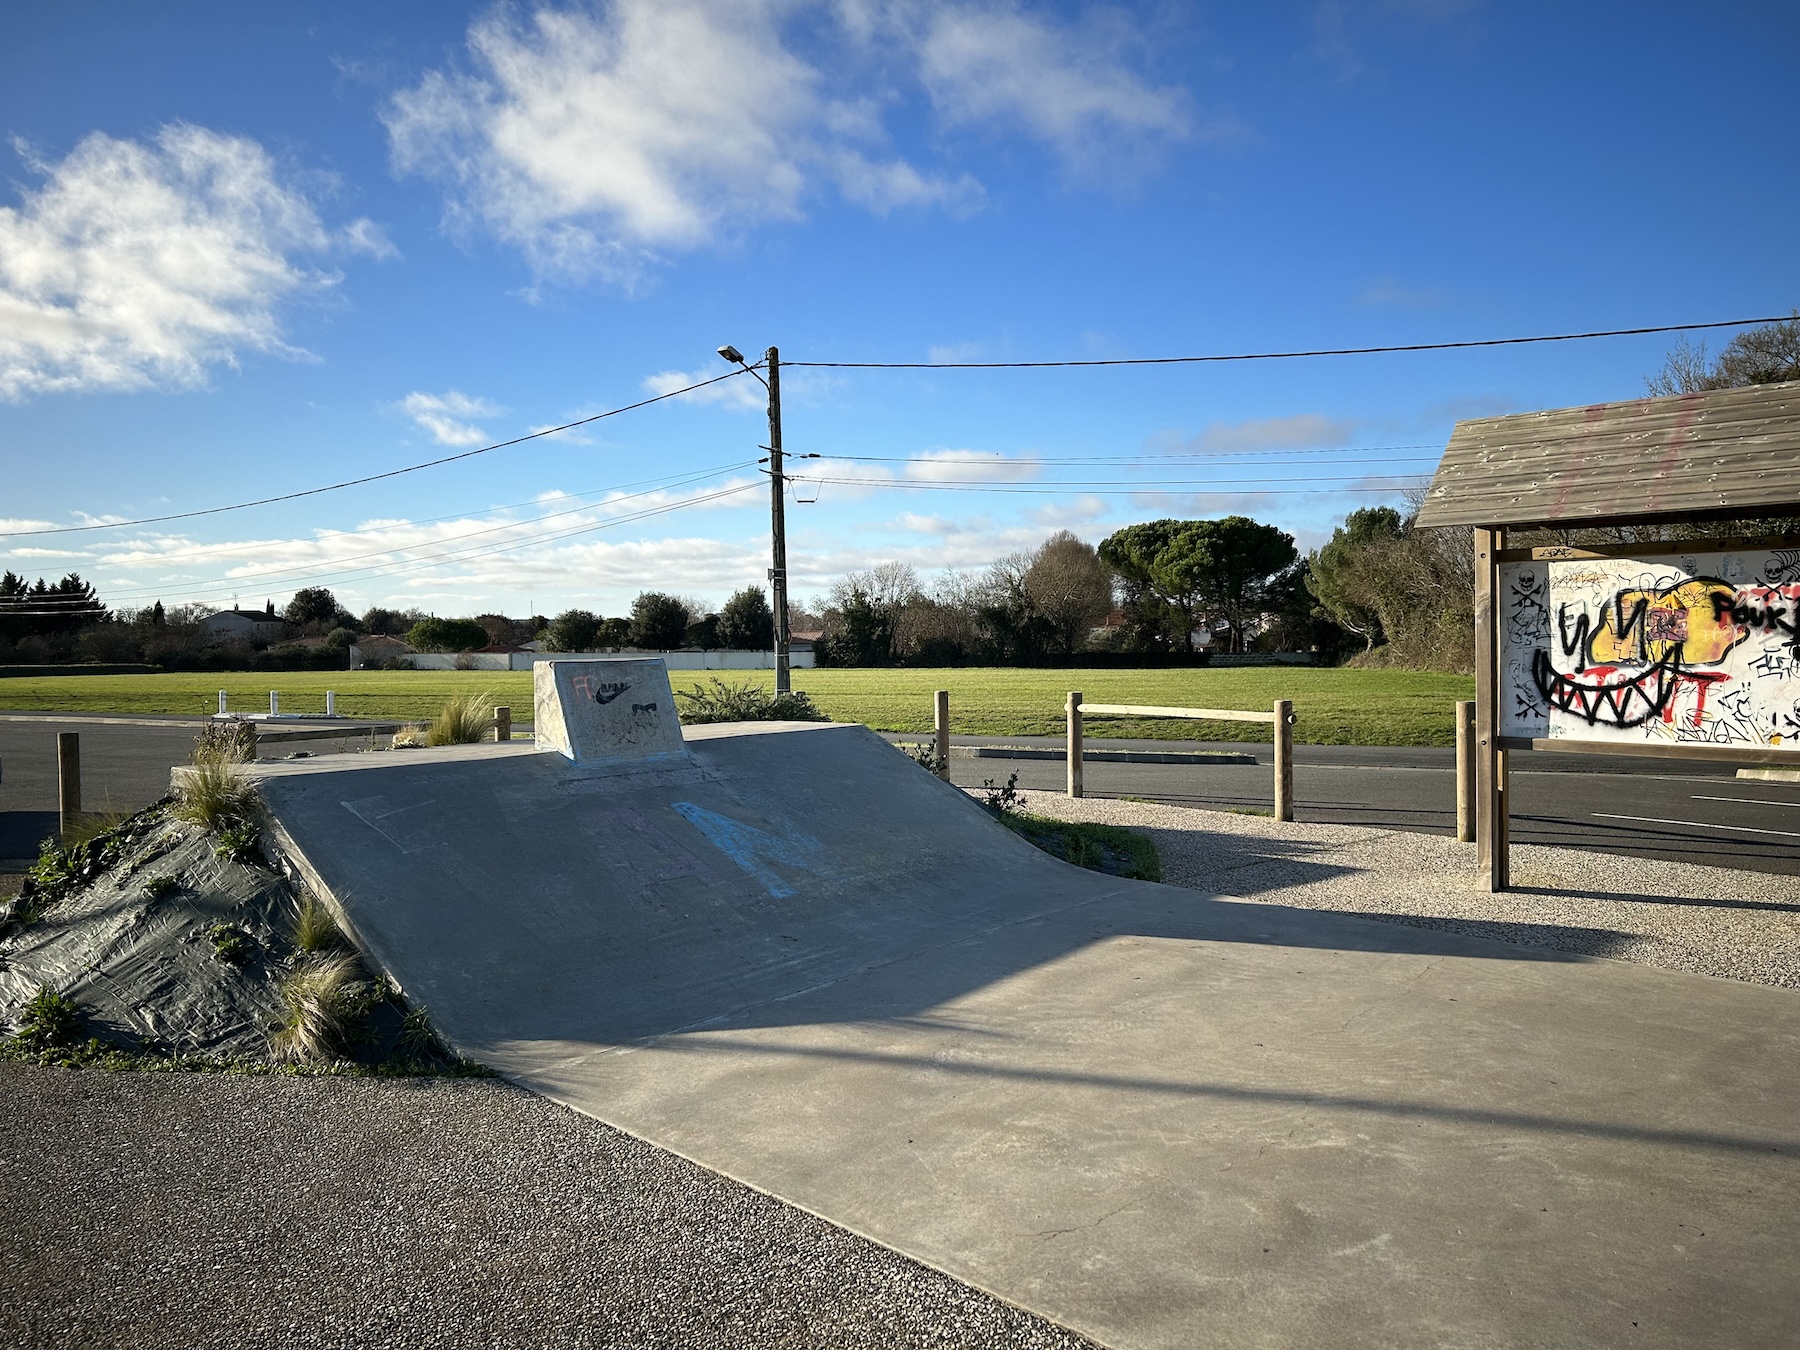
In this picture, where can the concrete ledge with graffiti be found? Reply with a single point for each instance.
(1700, 648)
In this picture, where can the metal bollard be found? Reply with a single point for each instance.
(503, 724)
(1074, 742)
(274, 702)
(1465, 772)
(330, 704)
(68, 778)
(1284, 759)
(222, 703)
(941, 721)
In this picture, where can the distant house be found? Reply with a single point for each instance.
(376, 650)
(252, 625)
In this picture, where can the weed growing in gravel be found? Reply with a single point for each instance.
(315, 930)
(463, 720)
(717, 701)
(1002, 801)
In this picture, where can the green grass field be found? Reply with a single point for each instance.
(1335, 707)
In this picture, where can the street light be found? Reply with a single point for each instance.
(777, 514)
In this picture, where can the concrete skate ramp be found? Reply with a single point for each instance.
(1163, 1119)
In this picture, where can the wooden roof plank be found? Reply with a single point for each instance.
(1721, 451)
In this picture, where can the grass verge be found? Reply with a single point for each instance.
(1336, 706)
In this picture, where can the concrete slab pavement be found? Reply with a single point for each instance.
(1160, 1118)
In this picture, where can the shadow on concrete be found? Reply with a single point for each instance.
(1785, 1147)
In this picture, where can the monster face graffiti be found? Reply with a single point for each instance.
(1701, 648)
(1628, 670)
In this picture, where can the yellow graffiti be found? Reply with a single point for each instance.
(1647, 626)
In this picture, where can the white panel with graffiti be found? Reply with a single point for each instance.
(1700, 648)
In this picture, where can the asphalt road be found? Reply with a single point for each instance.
(1699, 813)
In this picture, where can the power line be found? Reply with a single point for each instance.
(374, 477)
(1110, 488)
(425, 564)
(217, 550)
(1279, 356)
(274, 576)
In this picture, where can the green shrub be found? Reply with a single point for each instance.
(159, 887)
(717, 701)
(239, 841)
(231, 944)
(462, 720)
(49, 1020)
(1111, 849)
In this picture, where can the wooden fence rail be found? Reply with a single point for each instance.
(1281, 717)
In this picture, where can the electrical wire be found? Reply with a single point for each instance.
(275, 574)
(1279, 356)
(425, 564)
(374, 477)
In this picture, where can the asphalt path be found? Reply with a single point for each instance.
(1698, 813)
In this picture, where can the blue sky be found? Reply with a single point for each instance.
(247, 250)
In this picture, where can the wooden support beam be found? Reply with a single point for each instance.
(1284, 759)
(1465, 772)
(1074, 742)
(940, 720)
(1490, 759)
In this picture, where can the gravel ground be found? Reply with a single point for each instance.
(1709, 920)
(184, 1209)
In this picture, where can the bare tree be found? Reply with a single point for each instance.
(1069, 586)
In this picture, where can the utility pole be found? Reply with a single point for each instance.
(777, 508)
(778, 525)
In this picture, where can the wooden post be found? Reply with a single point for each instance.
(940, 712)
(1284, 759)
(68, 778)
(503, 724)
(1074, 742)
(1490, 759)
(1465, 772)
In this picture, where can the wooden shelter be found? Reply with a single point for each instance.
(1647, 654)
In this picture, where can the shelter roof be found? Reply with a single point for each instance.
(1721, 453)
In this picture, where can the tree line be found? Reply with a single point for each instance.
(1381, 591)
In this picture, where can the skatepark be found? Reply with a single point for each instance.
(1155, 1116)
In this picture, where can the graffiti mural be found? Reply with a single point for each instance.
(1702, 648)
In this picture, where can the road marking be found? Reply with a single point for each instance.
(1697, 824)
(1750, 801)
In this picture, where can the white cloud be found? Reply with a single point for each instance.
(970, 466)
(446, 416)
(1302, 431)
(597, 139)
(590, 140)
(138, 265)
(991, 66)
(743, 393)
